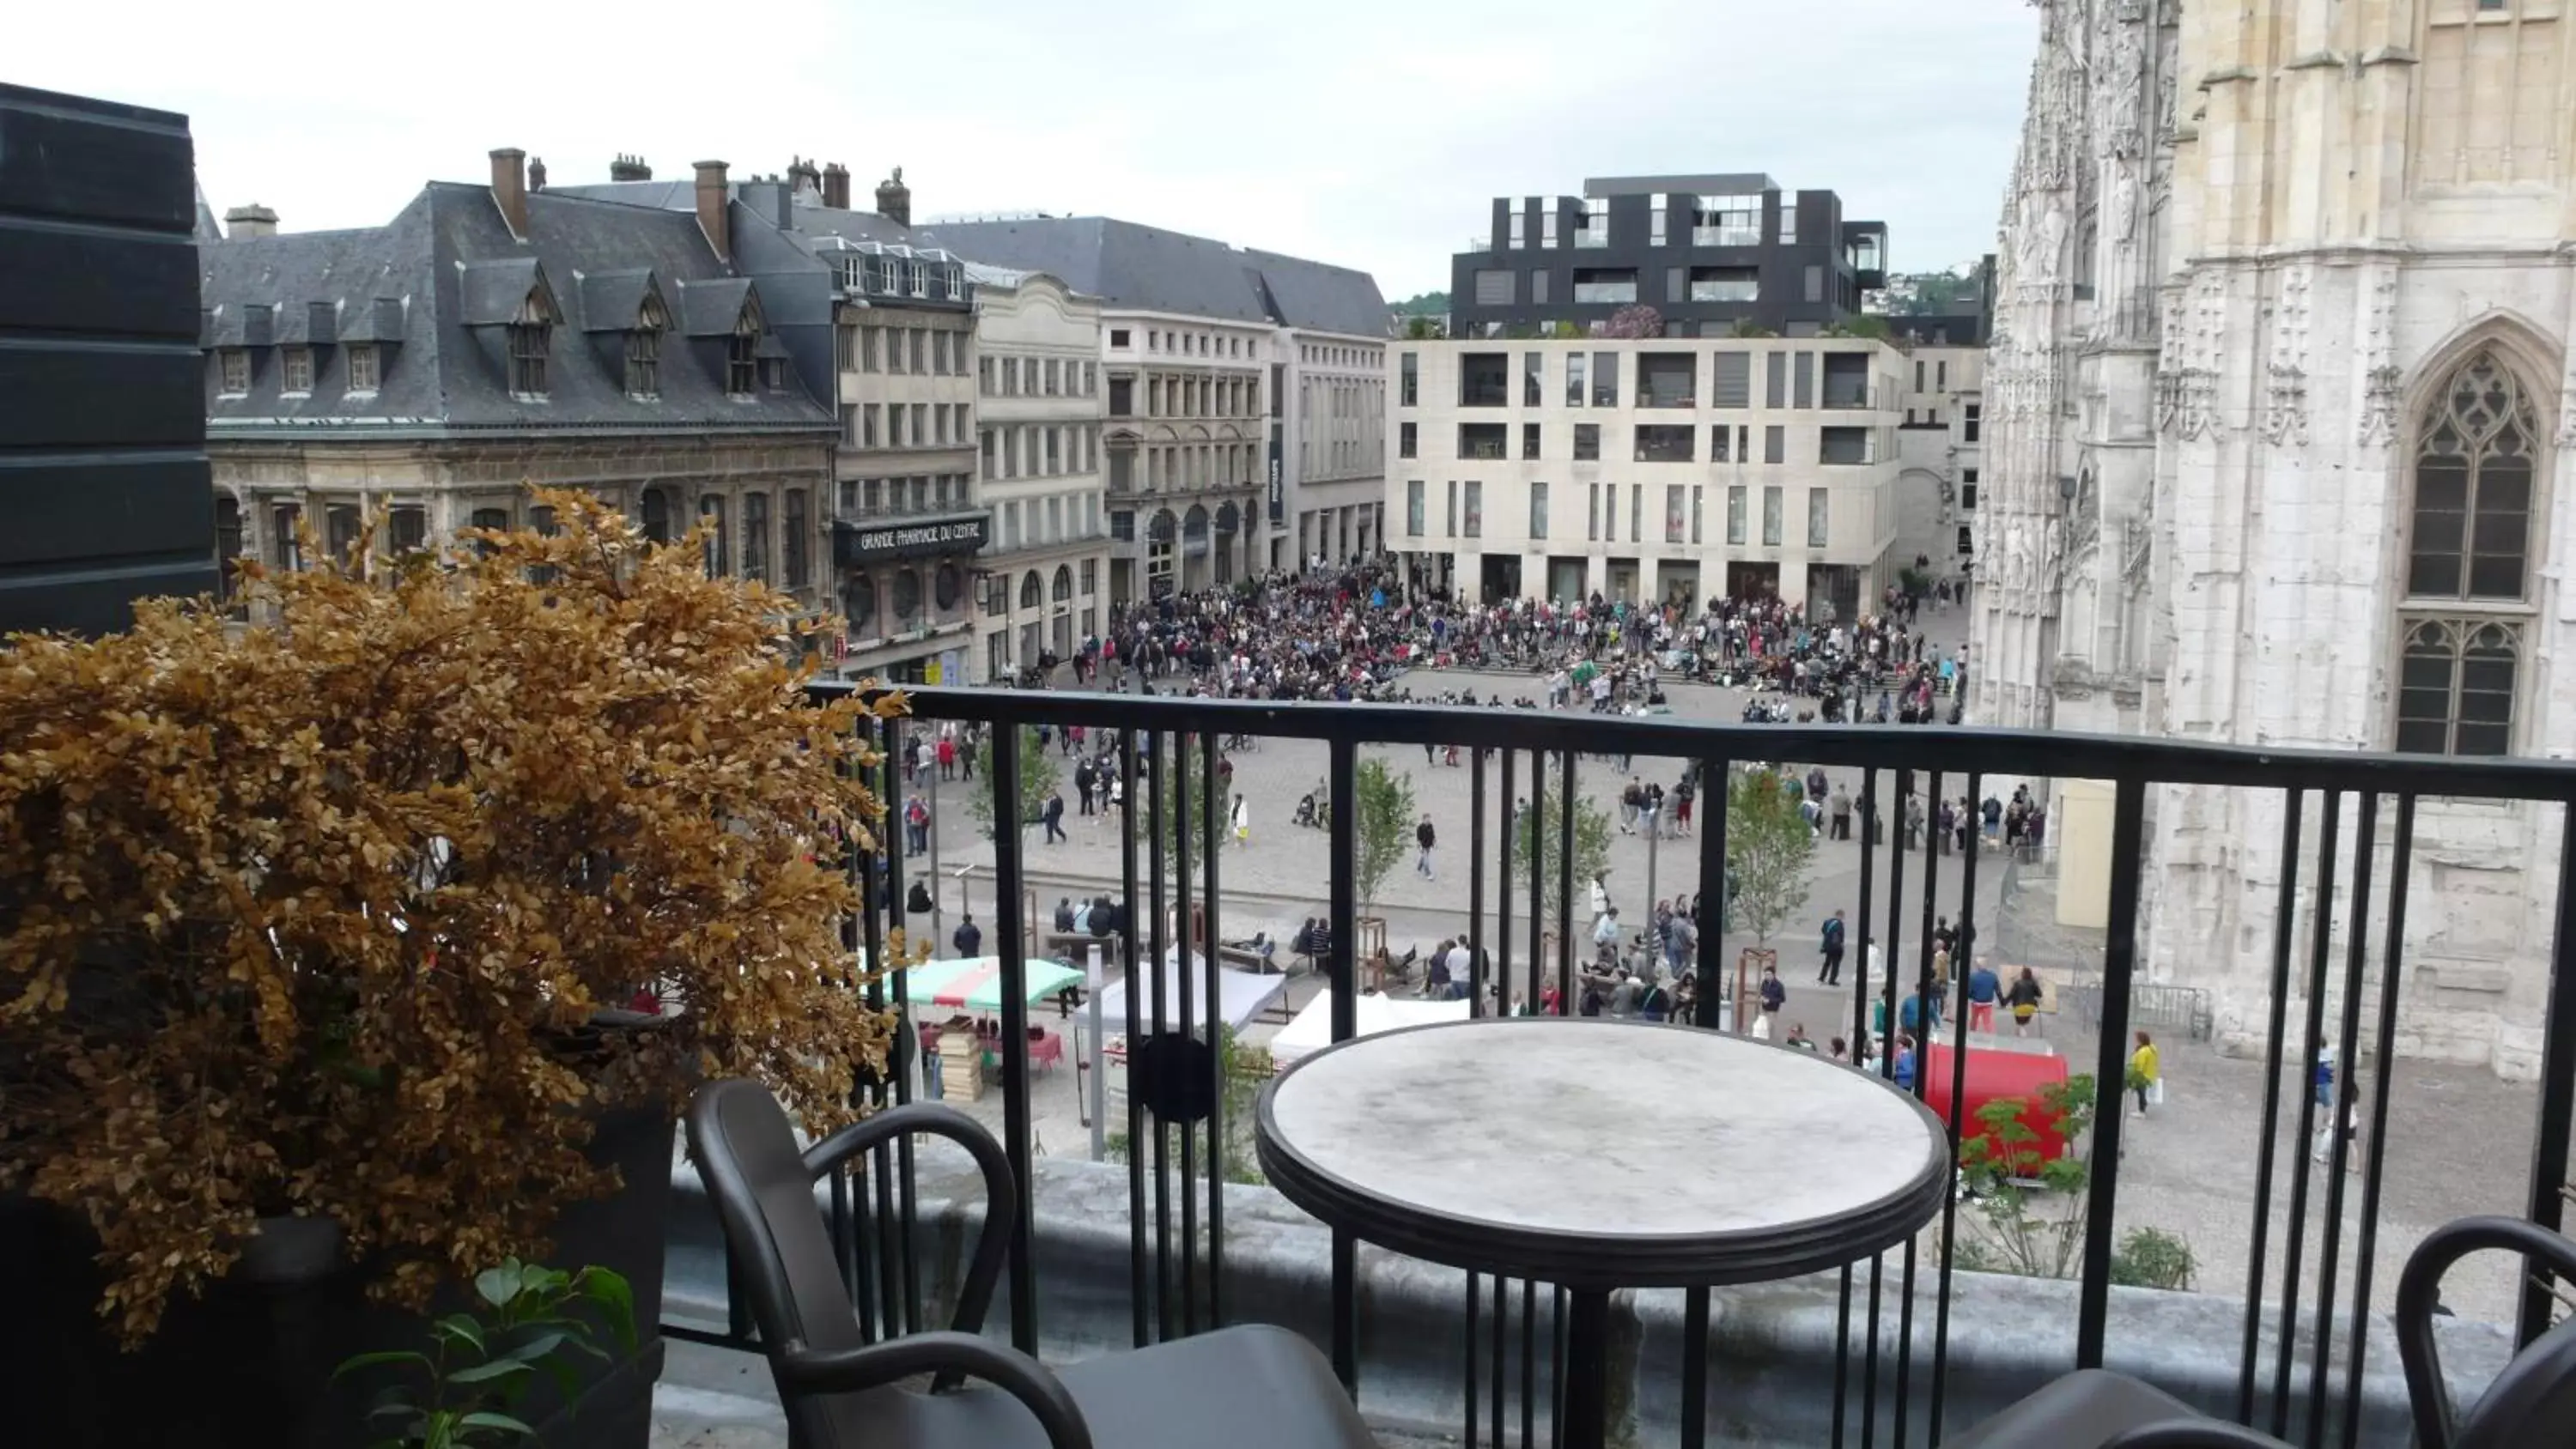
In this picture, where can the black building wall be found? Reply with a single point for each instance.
(104, 493)
(1780, 266)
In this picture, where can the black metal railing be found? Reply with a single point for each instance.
(1168, 748)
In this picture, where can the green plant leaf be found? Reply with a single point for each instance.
(497, 1286)
(500, 1423)
(499, 1368)
(459, 1328)
(381, 1356)
(539, 1280)
(616, 1301)
(534, 1348)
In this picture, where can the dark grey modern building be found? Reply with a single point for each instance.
(1715, 255)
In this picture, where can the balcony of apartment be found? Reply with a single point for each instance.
(1846, 447)
(1484, 441)
(1667, 380)
(1846, 381)
(1484, 379)
(1667, 443)
(1119, 1245)
(1605, 286)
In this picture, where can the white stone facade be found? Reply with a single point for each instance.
(1185, 449)
(1940, 449)
(2251, 256)
(1655, 469)
(1039, 417)
(1334, 491)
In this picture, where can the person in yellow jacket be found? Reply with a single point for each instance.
(2144, 1074)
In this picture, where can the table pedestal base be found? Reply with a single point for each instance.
(1587, 1370)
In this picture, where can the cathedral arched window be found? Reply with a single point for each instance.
(2462, 627)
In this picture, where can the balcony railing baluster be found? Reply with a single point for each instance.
(2547, 1203)
(2392, 953)
(2119, 968)
(2348, 1059)
(1962, 957)
(1214, 813)
(1017, 1142)
(2282, 950)
(1142, 1284)
(2319, 955)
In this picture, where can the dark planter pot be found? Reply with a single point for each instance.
(248, 1366)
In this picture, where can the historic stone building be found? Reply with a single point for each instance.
(2280, 400)
(489, 338)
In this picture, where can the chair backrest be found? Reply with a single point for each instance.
(2533, 1401)
(747, 1155)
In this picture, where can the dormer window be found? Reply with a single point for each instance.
(365, 367)
(644, 350)
(530, 335)
(298, 370)
(234, 365)
(742, 357)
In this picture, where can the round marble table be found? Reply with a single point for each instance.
(1599, 1154)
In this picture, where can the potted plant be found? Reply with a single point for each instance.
(313, 932)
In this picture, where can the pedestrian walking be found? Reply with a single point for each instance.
(2023, 998)
(1831, 942)
(2144, 1074)
(1242, 822)
(1054, 817)
(1424, 836)
(1984, 989)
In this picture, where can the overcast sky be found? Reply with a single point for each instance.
(1371, 133)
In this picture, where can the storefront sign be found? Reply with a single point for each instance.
(858, 544)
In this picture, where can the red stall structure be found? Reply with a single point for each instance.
(1995, 1073)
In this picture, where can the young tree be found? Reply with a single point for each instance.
(1635, 320)
(1039, 780)
(1545, 819)
(1384, 801)
(1769, 847)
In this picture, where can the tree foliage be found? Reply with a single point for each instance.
(1422, 304)
(1386, 817)
(1863, 325)
(1545, 819)
(1040, 779)
(1634, 320)
(1769, 850)
(1747, 327)
(2031, 1208)
(316, 918)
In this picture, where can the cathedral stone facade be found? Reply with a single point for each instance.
(2281, 402)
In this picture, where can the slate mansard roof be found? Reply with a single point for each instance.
(435, 289)
(1144, 268)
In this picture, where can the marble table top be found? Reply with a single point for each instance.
(1594, 1152)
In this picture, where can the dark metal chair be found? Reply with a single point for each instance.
(1253, 1387)
(2531, 1403)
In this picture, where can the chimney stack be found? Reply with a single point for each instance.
(805, 176)
(894, 199)
(510, 189)
(251, 220)
(836, 186)
(711, 209)
(629, 168)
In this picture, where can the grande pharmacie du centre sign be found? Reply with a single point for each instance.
(958, 535)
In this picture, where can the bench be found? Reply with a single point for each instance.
(1074, 947)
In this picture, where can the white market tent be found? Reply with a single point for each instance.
(1241, 995)
(1312, 1031)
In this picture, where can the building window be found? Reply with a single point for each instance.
(1547, 227)
(1727, 221)
(340, 523)
(234, 365)
(1819, 501)
(1775, 445)
(755, 536)
(1475, 509)
(644, 351)
(1718, 438)
(1605, 379)
(1789, 224)
(1538, 510)
(1971, 419)
(1725, 284)
(1592, 514)
(1529, 442)
(1449, 518)
(795, 548)
(1497, 287)
(1118, 337)
(408, 530)
(1696, 491)
(1592, 228)
(297, 373)
(1815, 288)
(1413, 508)
(286, 549)
(2469, 545)
(1533, 379)
(529, 337)
(1406, 441)
(1604, 287)
(711, 510)
(1408, 380)
(1735, 514)
(657, 516)
(1771, 505)
(742, 357)
(1655, 205)
(1968, 489)
(1587, 442)
(1676, 516)
(363, 374)
(1574, 385)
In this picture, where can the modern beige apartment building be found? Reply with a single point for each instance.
(1647, 469)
